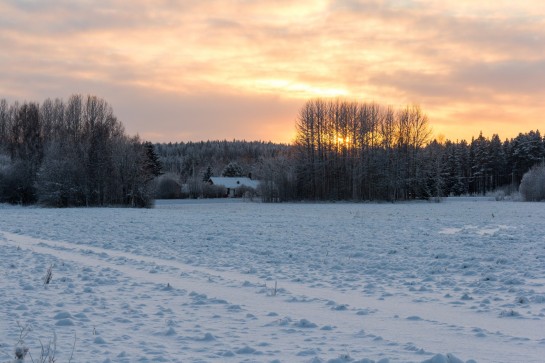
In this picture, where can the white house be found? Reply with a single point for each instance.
(233, 183)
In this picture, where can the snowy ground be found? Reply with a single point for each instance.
(195, 282)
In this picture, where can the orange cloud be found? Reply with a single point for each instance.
(161, 64)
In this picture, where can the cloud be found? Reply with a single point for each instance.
(256, 61)
(507, 77)
(206, 116)
(472, 82)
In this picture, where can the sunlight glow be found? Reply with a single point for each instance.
(345, 141)
(470, 65)
(298, 90)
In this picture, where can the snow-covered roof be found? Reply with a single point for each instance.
(234, 182)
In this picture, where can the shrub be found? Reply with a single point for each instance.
(213, 191)
(532, 186)
(168, 187)
(17, 184)
(245, 192)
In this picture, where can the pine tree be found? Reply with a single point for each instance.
(207, 174)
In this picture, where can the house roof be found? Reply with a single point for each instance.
(234, 182)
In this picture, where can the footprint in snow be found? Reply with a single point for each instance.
(99, 340)
(208, 337)
(342, 307)
(510, 314)
(64, 322)
(449, 358)
(304, 323)
(234, 308)
(248, 350)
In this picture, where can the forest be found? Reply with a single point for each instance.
(357, 152)
(72, 153)
(76, 153)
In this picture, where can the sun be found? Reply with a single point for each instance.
(343, 141)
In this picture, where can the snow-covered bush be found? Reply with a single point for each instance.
(168, 187)
(233, 170)
(532, 186)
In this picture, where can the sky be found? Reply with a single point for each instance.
(191, 70)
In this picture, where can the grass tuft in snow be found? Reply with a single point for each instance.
(48, 275)
(47, 351)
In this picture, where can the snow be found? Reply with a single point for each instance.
(234, 182)
(229, 281)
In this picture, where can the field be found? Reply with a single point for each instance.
(234, 281)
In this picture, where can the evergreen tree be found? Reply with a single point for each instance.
(498, 162)
(233, 170)
(526, 151)
(207, 174)
(480, 164)
(152, 165)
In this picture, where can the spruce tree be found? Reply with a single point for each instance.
(207, 174)
(232, 170)
(152, 165)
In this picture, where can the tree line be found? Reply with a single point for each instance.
(72, 153)
(361, 151)
(365, 151)
(76, 153)
(191, 164)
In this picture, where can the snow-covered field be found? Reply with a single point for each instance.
(249, 282)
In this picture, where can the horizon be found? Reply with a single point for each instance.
(195, 71)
